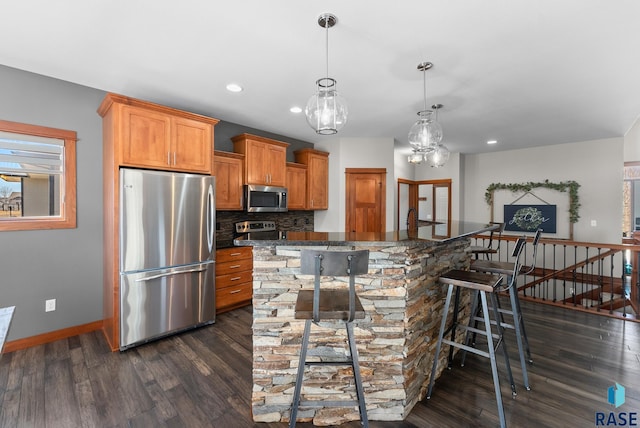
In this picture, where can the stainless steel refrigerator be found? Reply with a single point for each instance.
(167, 253)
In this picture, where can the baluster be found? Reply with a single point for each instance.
(611, 282)
(554, 279)
(574, 276)
(564, 280)
(599, 279)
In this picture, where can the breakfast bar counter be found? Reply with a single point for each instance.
(396, 340)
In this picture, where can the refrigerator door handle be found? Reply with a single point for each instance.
(210, 217)
(162, 275)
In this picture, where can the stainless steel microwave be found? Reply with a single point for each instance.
(265, 198)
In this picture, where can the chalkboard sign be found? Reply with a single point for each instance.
(529, 218)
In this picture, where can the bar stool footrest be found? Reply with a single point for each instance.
(320, 403)
(329, 363)
(493, 322)
(478, 331)
(467, 348)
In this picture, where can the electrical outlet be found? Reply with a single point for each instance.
(594, 223)
(50, 305)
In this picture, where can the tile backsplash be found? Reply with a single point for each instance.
(291, 220)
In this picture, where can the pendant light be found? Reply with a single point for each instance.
(440, 154)
(326, 111)
(426, 134)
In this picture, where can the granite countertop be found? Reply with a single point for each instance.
(224, 243)
(434, 233)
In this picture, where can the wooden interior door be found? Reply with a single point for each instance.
(407, 199)
(365, 200)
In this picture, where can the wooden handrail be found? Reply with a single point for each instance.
(567, 242)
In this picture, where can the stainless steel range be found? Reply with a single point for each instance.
(252, 229)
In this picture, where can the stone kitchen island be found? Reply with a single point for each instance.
(396, 340)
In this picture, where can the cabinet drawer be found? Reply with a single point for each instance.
(234, 266)
(234, 279)
(235, 253)
(231, 296)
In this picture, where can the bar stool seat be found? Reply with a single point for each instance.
(341, 305)
(333, 305)
(482, 284)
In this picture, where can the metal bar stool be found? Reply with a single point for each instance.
(483, 283)
(511, 270)
(335, 305)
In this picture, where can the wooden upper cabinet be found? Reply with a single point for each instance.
(317, 163)
(192, 143)
(296, 186)
(146, 137)
(264, 159)
(228, 172)
(153, 136)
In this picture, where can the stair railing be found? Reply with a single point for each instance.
(586, 276)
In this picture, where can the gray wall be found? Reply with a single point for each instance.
(224, 131)
(66, 264)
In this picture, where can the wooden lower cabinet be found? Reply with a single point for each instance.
(234, 278)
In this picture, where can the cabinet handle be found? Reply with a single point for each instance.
(235, 279)
(168, 158)
(174, 158)
(235, 291)
(234, 267)
(235, 254)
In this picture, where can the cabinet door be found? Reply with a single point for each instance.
(191, 145)
(228, 183)
(318, 182)
(296, 187)
(256, 157)
(145, 138)
(276, 160)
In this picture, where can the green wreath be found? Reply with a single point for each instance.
(570, 186)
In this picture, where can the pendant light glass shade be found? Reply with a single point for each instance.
(426, 133)
(326, 111)
(415, 157)
(438, 157)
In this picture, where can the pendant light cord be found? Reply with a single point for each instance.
(424, 87)
(326, 28)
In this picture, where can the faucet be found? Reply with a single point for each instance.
(415, 217)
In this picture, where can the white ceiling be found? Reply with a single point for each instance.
(524, 72)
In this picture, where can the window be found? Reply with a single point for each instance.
(631, 199)
(37, 177)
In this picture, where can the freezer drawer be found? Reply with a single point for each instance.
(160, 302)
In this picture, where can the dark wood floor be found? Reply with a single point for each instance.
(202, 378)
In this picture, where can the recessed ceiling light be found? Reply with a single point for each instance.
(295, 109)
(492, 142)
(234, 87)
